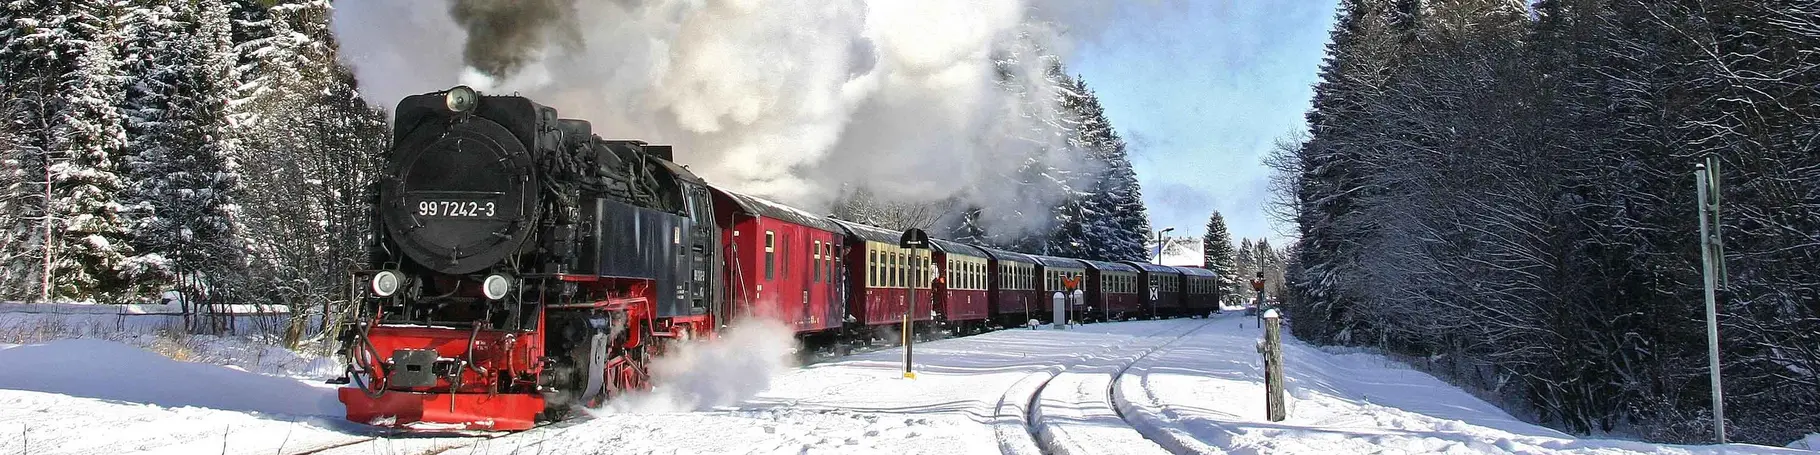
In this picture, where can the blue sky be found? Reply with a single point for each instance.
(1200, 90)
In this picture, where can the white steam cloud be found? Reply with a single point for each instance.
(792, 99)
(720, 372)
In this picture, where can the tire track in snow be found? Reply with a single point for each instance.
(1070, 409)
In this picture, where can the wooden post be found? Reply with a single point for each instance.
(1272, 348)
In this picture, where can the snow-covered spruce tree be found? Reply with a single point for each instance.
(1358, 59)
(1513, 202)
(1217, 254)
(1075, 212)
(1108, 220)
(89, 140)
(186, 166)
(1245, 266)
(33, 57)
(310, 143)
(156, 37)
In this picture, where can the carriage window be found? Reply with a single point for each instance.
(922, 272)
(871, 267)
(815, 252)
(770, 254)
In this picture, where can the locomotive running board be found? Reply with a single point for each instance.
(433, 411)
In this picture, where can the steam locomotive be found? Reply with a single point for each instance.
(524, 266)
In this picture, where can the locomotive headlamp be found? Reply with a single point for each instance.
(496, 286)
(461, 99)
(386, 283)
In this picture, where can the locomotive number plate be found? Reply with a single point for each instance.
(457, 209)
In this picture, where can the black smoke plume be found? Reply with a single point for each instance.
(505, 34)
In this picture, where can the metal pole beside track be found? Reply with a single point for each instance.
(1706, 184)
(909, 308)
(913, 240)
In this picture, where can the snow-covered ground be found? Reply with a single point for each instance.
(1206, 395)
(1193, 384)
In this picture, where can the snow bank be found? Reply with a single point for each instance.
(1207, 395)
(1811, 442)
(113, 371)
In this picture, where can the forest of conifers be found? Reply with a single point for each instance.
(1508, 190)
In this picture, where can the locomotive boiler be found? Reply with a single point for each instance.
(522, 265)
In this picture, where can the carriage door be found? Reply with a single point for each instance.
(701, 250)
(820, 275)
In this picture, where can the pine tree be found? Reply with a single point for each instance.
(1490, 188)
(1030, 201)
(1245, 265)
(1217, 254)
(186, 166)
(1108, 220)
(34, 54)
(90, 139)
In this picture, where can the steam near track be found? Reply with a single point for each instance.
(723, 371)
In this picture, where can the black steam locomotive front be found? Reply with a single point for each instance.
(465, 207)
(482, 192)
(521, 264)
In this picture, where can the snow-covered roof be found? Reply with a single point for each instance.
(1181, 251)
(952, 247)
(1154, 268)
(1104, 266)
(1002, 255)
(870, 232)
(1058, 262)
(771, 209)
(1195, 271)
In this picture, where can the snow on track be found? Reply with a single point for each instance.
(1206, 395)
(1074, 411)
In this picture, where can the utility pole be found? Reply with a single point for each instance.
(1712, 256)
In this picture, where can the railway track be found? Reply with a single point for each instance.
(436, 442)
(1080, 415)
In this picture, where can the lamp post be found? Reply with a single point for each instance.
(1159, 245)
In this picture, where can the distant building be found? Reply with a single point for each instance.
(1185, 250)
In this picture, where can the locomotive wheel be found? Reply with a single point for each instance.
(629, 370)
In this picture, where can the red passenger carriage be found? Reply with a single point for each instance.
(960, 299)
(1201, 291)
(1058, 273)
(1168, 284)
(1012, 287)
(1113, 291)
(781, 263)
(880, 280)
